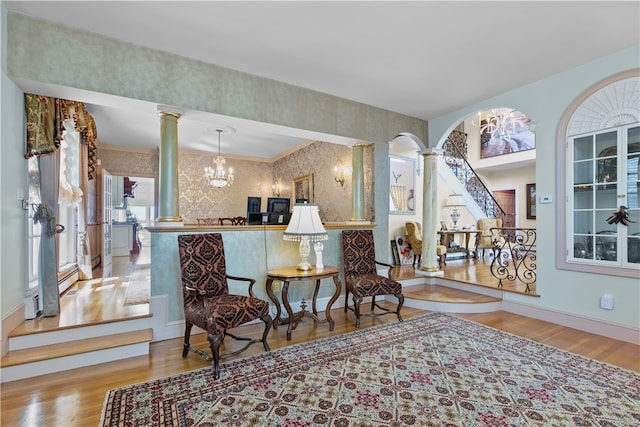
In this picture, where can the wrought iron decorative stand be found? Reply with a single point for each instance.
(515, 257)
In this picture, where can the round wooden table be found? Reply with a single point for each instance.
(292, 274)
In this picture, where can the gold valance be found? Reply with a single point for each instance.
(45, 118)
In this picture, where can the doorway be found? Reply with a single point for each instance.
(507, 201)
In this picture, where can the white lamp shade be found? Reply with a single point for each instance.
(305, 221)
(455, 200)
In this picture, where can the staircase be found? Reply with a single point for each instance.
(456, 158)
(39, 352)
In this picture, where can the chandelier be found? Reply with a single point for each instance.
(504, 123)
(217, 176)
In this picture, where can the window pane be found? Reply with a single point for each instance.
(633, 183)
(583, 172)
(633, 249)
(581, 247)
(601, 221)
(633, 229)
(583, 148)
(607, 144)
(583, 197)
(607, 170)
(606, 197)
(583, 222)
(606, 246)
(633, 140)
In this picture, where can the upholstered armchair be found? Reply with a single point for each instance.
(207, 301)
(361, 276)
(414, 235)
(489, 234)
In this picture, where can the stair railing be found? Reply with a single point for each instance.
(515, 258)
(456, 159)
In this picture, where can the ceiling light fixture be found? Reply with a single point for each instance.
(218, 177)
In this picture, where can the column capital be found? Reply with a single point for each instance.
(169, 110)
(432, 152)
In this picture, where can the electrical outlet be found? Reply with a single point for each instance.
(606, 302)
(276, 286)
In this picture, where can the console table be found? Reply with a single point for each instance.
(292, 274)
(448, 235)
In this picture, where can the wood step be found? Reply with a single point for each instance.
(446, 294)
(48, 324)
(36, 354)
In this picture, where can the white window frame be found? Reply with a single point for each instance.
(564, 190)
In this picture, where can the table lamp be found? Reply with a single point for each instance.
(455, 201)
(305, 226)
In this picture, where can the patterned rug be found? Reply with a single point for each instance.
(433, 370)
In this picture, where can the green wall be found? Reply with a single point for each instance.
(545, 102)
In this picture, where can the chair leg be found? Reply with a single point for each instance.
(356, 309)
(442, 259)
(268, 322)
(400, 304)
(373, 303)
(346, 299)
(214, 342)
(187, 334)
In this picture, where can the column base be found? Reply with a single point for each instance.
(169, 222)
(425, 271)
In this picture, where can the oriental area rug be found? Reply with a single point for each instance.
(433, 370)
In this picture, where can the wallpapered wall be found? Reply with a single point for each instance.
(255, 179)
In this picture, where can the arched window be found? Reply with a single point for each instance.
(598, 169)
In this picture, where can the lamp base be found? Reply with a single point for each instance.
(304, 267)
(304, 250)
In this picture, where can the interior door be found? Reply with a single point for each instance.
(107, 259)
(507, 201)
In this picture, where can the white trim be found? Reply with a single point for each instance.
(12, 320)
(59, 364)
(582, 323)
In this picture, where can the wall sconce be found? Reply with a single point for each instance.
(275, 189)
(340, 172)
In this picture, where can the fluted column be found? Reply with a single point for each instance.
(357, 183)
(428, 262)
(168, 194)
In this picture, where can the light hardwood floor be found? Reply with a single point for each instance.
(75, 397)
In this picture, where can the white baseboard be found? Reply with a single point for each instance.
(582, 323)
(34, 369)
(163, 330)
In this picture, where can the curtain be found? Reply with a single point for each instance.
(49, 166)
(44, 117)
(399, 196)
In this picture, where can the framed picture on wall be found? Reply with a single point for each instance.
(505, 131)
(303, 189)
(531, 201)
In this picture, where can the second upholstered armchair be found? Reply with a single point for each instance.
(361, 276)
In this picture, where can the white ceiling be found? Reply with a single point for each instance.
(419, 58)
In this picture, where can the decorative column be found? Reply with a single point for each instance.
(428, 262)
(357, 183)
(168, 200)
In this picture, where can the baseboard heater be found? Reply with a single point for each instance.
(31, 303)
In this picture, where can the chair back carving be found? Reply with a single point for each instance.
(202, 263)
(358, 251)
